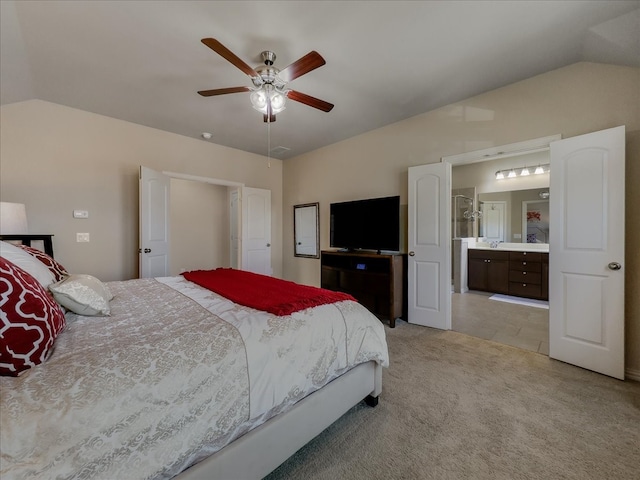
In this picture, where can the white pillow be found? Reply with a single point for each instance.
(82, 294)
(28, 263)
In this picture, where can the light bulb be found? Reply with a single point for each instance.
(539, 170)
(277, 102)
(499, 175)
(524, 172)
(512, 174)
(259, 100)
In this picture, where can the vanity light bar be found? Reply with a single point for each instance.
(522, 171)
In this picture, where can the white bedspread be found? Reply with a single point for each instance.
(166, 381)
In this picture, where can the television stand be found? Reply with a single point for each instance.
(376, 280)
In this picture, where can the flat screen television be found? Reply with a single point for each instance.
(372, 224)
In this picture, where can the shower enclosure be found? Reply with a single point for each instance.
(463, 216)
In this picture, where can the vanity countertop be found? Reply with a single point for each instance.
(513, 247)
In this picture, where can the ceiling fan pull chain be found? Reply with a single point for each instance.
(269, 136)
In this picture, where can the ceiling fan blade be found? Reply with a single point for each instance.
(309, 100)
(223, 91)
(310, 61)
(228, 55)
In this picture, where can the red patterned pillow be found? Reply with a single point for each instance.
(59, 272)
(30, 320)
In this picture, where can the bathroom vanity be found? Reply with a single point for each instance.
(511, 269)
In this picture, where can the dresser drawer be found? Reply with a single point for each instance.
(525, 277)
(488, 254)
(370, 283)
(525, 256)
(531, 290)
(526, 266)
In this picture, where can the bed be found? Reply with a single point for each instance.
(180, 382)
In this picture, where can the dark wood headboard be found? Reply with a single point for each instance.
(26, 239)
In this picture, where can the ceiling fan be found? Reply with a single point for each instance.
(270, 85)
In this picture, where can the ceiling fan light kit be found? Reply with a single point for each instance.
(267, 95)
(270, 85)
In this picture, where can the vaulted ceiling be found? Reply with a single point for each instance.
(143, 61)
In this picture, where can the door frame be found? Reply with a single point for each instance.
(211, 181)
(501, 151)
(525, 205)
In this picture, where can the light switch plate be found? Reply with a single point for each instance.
(82, 237)
(80, 214)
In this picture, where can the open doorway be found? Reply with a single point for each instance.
(496, 220)
(199, 219)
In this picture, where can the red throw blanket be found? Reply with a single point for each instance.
(272, 295)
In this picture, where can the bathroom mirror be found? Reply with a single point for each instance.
(306, 230)
(487, 207)
(518, 216)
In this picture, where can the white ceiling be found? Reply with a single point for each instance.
(143, 62)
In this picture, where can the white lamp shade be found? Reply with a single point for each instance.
(13, 218)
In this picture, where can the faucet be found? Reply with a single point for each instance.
(495, 244)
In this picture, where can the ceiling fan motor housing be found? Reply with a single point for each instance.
(268, 74)
(268, 57)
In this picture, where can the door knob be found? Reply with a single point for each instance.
(614, 266)
(268, 244)
(147, 250)
(411, 254)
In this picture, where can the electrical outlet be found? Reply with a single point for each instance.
(82, 237)
(81, 214)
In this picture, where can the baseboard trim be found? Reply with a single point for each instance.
(632, 375)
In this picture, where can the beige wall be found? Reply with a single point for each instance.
(199, 226)
(56, 159)
(577, 99)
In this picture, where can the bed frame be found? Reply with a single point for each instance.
(26, 239)
(256, 454)
(293, 429)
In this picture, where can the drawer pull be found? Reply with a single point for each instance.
(524, 273)
(524, 263)
(524, 284)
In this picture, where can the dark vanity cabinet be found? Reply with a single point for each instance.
(529, 274)
(521, 274)
(489, 271)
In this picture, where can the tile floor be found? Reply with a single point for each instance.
(511, 324)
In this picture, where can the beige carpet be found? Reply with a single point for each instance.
(459, 407)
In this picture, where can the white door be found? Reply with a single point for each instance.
(256, 230)
(586, 274)
(154, 224)
(429, 243)
(494, 221)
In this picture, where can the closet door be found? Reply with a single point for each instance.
(153, 249)
(256, 230)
